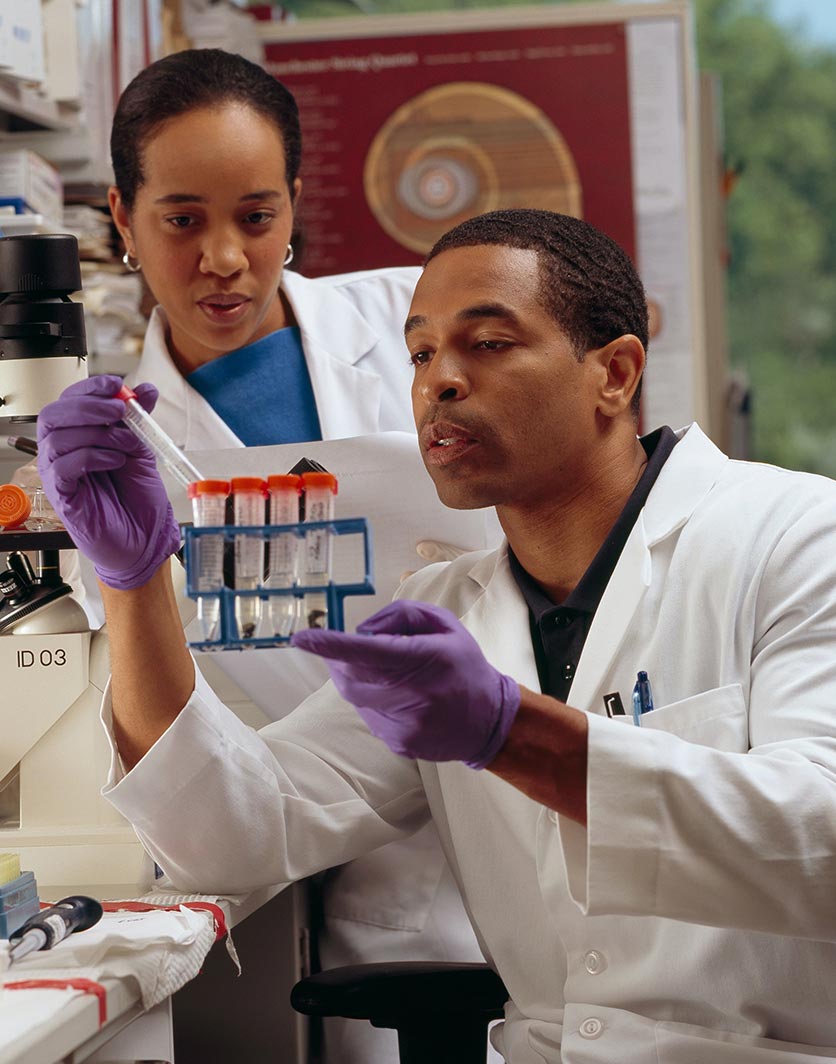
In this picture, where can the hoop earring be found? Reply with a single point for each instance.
(289, 256)
(126, 259)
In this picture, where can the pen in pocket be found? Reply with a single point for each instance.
(642, 697)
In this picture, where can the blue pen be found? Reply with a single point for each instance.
(642, 697)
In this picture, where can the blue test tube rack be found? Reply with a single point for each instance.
(228, 638)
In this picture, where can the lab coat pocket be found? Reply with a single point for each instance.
(716, 718)
(679, 1043)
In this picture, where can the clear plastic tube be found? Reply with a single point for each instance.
(209, 509)
(248, 494)
(282, 557)
(166, 451)
(319, 489)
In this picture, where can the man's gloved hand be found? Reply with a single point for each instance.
(420, 682)
(103, 482)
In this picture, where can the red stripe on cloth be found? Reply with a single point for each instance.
(87, 986)
(216, 911)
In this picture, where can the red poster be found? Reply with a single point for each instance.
(406, 136)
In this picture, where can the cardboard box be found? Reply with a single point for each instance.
(22, 33)
(27, 177)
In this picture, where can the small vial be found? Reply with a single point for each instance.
(169, 456)
(281, 564)
(248, 494)
(39, 518)
(209, 509)
(319, 489)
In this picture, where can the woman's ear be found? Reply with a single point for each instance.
(121, 218)
(622, 361)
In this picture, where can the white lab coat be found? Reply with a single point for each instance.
(694, 919)
(352, 336)
(402, 902)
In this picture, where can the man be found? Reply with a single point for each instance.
(654, 892)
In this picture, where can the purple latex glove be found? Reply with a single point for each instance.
(103, 482)
(420, 682)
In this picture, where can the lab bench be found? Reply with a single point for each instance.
(218, 1015)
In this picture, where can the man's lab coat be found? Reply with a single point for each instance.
(402, 902)
(694, 919)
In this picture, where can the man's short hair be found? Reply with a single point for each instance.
(588, 283)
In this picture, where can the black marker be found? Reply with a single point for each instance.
(22, 443)
(51, 925)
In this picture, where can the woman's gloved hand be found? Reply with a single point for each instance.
(420, 682)
(103, 482)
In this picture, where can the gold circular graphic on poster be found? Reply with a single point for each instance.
(462, 149)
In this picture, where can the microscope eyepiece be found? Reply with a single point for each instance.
(41, 266)
(43, 346)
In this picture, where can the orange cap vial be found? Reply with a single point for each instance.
(208, 487)
(320, 480)
(239, 484)
(15, 506)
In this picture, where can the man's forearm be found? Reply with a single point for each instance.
(545, 754)
(153, 673)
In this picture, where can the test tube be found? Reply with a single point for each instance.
(248, 494)
(281, 568)
(168, 454)
(319, 489)
(208, 508)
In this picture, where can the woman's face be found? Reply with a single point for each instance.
(210, 227)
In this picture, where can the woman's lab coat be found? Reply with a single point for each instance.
(352, 336)
(693, 920)
(402, 902)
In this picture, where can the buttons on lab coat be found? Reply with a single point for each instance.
(594, 962)
(591, 1028)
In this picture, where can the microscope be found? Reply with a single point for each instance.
(53, 753)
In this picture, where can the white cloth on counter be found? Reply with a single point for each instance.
(162, 950)
(21, 1011)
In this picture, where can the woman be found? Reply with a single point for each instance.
(206, 151)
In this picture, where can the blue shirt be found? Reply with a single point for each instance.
(263, 391)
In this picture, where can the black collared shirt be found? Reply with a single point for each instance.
(559, 631)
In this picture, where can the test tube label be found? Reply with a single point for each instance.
(317, 541)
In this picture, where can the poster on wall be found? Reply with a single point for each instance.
(413, 123)
(406, 136)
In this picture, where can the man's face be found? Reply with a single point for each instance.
(506, 413)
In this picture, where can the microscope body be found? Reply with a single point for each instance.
(54, 756)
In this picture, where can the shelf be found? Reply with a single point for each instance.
(29, 110)
(28, 225)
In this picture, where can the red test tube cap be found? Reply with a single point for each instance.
(208, 487)
(248, 484)
(320, 480)
(284, 482)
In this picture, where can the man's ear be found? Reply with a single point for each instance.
(121, 218)
(622, 364)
